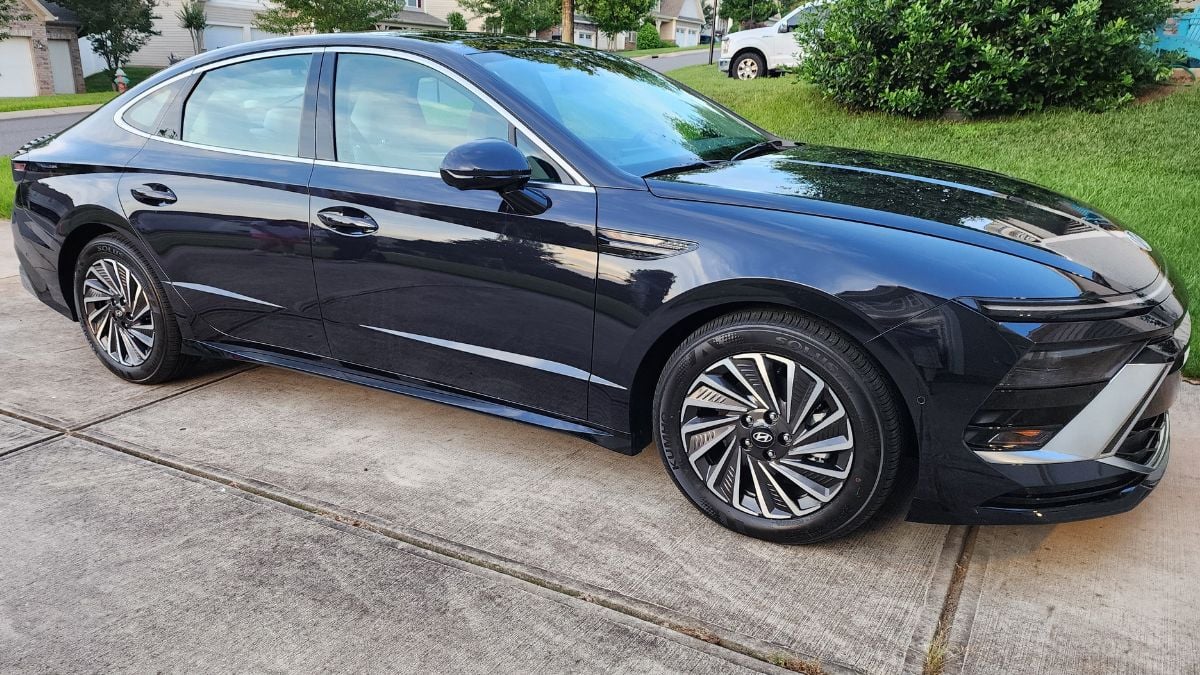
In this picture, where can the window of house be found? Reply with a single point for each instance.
(396, 113)
(254, 105)
(416, 4)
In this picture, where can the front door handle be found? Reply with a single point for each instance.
(347, 220)
(154, 194)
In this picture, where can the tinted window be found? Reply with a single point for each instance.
(254, 105)
(635, 118)
(396, 113)
(143, 116)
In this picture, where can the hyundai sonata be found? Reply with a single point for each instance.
(562, 237)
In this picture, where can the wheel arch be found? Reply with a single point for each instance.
(699, 306)
(751, 50)
(77, 229)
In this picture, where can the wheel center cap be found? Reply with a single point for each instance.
(762, 437)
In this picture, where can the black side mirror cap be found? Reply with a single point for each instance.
(487, 164)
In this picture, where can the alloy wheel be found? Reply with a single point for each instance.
(767, 435)
(118, 312)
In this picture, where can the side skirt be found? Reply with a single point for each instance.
(398, 384)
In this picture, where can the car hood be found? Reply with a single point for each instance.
(946, 200)
(752, 33)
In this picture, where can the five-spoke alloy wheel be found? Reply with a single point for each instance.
(778, 426)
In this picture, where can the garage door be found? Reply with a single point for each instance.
(16, 68)
(584, 38)
(60, 65)
(216, 37)
(687, 37)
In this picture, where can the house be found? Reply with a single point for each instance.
(678, 21)
(587, 35)
(41, 54)
(415, 17)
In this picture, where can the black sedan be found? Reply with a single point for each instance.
(560, 236)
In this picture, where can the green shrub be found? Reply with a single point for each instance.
(456, 20)
(924, 57)
(647, 37)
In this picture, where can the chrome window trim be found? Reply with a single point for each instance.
(512, 119)
(434, 174)
(118, 116)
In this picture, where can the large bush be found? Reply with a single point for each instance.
(925, 57)
(647, 37)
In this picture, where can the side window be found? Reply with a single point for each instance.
(396, 113)
(542, 168)
(254, 105)
(144, 114)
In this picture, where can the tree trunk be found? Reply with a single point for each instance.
(568, 21)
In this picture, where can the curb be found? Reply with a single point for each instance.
(48, 112)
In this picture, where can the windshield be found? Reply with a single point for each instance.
(635, 118)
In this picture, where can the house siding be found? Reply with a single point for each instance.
(441, 8)
(178, 41)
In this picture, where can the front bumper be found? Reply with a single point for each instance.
(1107, 458)
(723, 64)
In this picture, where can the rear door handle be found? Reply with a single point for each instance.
(347, 220)
(154, 194)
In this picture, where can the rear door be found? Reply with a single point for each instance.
(220, 193)
(431, 282)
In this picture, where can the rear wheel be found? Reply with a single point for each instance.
(124, 313)
(749, 66)
(778, 426)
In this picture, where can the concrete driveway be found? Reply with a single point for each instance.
(254, 519)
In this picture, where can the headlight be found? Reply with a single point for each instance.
(724, 47)
(1074, 309)
(1064, 367)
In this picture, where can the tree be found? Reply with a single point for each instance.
(514, 17)
(324, 16)
(116, 28)
(706, 8)
(10, 12)
(616, 16)
(193, 17)
(748, 12)
(456, 20)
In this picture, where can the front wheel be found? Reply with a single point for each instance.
(749, 66)
(778, 426)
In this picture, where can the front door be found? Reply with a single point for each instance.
(427, 281)
(220, 193)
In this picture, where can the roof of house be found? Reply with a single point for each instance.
(672, 8)
(61, 14)
(412, 17)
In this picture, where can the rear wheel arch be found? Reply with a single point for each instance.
(77, 230)
(728, 298)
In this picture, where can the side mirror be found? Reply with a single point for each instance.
(783, 27)
(493, 164)
(487, 164)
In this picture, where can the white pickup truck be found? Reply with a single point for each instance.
(748, 54)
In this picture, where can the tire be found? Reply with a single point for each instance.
(826, 462)
(108, 269)
(748, 66)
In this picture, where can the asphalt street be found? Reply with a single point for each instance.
(671, 62)
(15, 130)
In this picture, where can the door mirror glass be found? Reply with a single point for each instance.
(488, 164)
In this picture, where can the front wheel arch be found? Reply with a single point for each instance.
(707, 303)
(752, 51)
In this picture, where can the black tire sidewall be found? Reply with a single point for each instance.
(160, 358)
(858, 492)
(758, 60)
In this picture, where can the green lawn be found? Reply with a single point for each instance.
(661, 50)
(1138, 163)
(54, 101)
(101, 82)
(7, 189)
